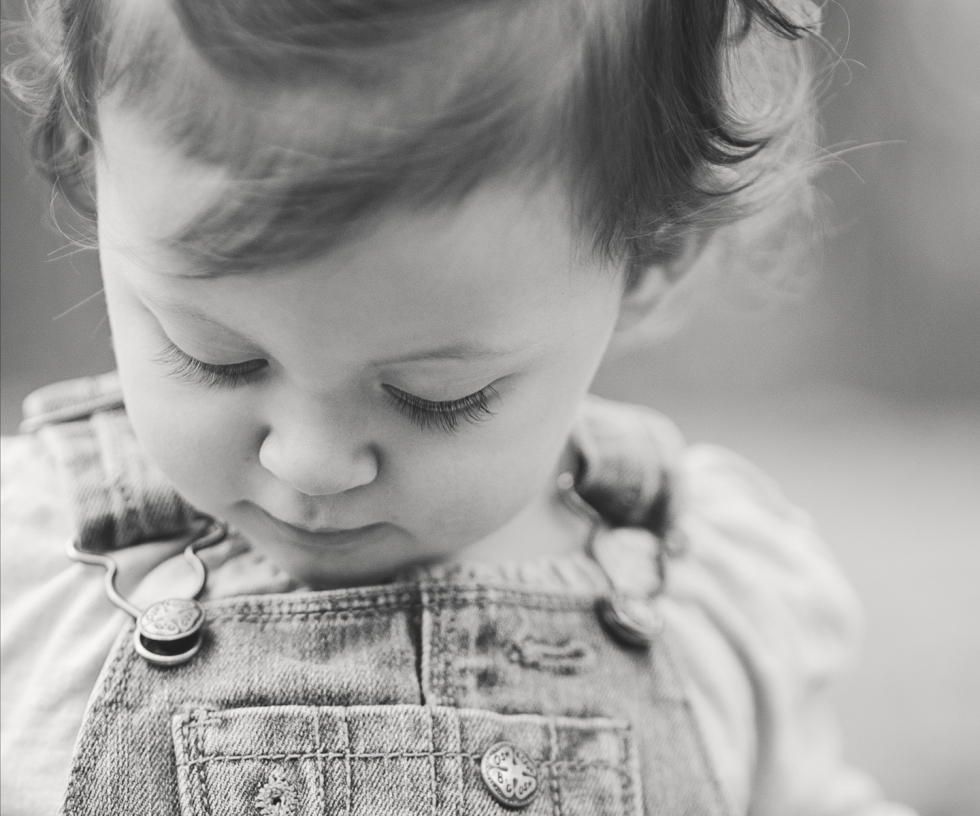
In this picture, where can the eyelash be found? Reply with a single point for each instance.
(473, 408)
(191, 370)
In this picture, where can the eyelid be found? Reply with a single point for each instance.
(473, 408)
(446, 414)
(190, 369)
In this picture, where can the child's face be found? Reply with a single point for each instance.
(414, 391)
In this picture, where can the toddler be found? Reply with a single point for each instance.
(362, 259)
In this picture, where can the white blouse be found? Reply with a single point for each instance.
(761, 617)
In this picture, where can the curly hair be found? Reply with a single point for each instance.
(662, 118)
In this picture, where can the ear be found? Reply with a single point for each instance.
(652, 282)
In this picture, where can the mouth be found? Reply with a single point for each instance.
(317, 537)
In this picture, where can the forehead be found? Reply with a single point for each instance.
(153, 193)
(318, 131)
(503, 268)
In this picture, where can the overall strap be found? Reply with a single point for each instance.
(628, 466)
(117, 496)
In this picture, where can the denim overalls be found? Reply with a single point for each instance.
(388, 699)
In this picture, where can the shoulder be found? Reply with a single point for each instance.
(24, 458)
(55, 628)
(755, 569)
(37, 517)
(761, 553)
(763, 622)
(34, 514)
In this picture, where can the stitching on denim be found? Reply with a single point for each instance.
(552, 775)
(117, 680)
(561, 722)
(305, 617)
(321, 786)
(483, 595)
(438, 646)
(448, 647)
(319, 606)
(191, 739)
(634, 774)
(439, 642)
(581, 765)
(96, 726)
(535, 605)
(186, 751)
(422, 663)
(459, 776)
(347, 769)
(626, 798)
(461, 669)
(376, 755)
(562, 764)
(441, 598)
(201, 773)
(431, 656)
(273, 617)
(432, 758)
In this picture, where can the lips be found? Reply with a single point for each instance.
(307, 528)
(316, 537)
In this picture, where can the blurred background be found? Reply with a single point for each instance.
(860, 394)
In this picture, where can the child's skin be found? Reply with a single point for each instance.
(408, 395)
(438, 304)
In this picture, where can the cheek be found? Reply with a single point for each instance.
(198, 439)
(469, 490)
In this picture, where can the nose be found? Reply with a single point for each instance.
(317, 455)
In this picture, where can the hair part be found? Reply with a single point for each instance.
(663, 118)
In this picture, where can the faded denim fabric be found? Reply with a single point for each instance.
(380, 700)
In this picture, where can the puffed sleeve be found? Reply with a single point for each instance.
(763, 622)
(56, 630)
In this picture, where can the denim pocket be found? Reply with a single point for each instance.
(400, 759)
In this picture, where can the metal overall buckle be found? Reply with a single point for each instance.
(167, 632)
(630, 610)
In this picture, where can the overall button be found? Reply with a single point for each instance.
(168, 633)
(510, 775)
(631, 619)
(632, 559)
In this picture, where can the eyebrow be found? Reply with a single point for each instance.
(462, 351)
(184, 310)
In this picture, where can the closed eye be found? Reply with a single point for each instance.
(189, 369)
(473, 408)
(445, 415)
